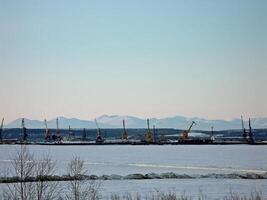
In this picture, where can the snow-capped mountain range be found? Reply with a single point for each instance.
(115, 121)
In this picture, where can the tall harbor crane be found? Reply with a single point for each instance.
(148, 136)
(243, 129)
(1, 130)
(84, 134)
(71, 133)
(47, 132)
(250, 134)
(184, 134)
(124, 133)
(58, 135)
(155, 134)
(99, 138)
(24, 131)
(212, 134)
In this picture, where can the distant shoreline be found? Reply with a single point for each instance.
(137, 176)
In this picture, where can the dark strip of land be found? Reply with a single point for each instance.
(169, 175)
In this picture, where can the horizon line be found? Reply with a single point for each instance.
(143, 118)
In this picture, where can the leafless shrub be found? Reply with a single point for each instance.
(79, 188)
(45, 189)
(23, 165)
(31, 175)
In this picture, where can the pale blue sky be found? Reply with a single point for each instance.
(145, 58)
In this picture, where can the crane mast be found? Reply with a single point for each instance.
(1, 130)
(148, 136)
(47, 132)
(58, 136)
(98, 129)
(84, 134)
(212, 133)
(155, 134)
(24, 131)
(99, 138)
(250, 134)
(71, 133)
(243, 128)
(124, 134)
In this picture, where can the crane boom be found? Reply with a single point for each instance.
(243, 128)
(148, 136)
(123, 123)
(184, 134)
(250, 132)
(98, 129)
(193, 122)
(124, 134)
(45, 122)
(1, 130)
(249, 124)
(47, 133)
(2, 123)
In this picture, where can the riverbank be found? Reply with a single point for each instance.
(136, 176)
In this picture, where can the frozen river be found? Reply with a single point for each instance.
(181, 159)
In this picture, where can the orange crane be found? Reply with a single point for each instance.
(124, 133)
(1, 130)
(148, 136)
(184, 134)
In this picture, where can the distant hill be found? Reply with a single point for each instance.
(115, 121)
(64, 123)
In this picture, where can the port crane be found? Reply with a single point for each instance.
(155, 134)
(184, 134)
(71, 133)
(148, 136)
(99, 138)
(243, 128)
(24, 131)
(84, 135)
(58, 136)
(1, 130)
(47, 132)
(212, 134)
(248, 136)
(124, 134)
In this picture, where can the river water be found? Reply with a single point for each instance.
(181, 159)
